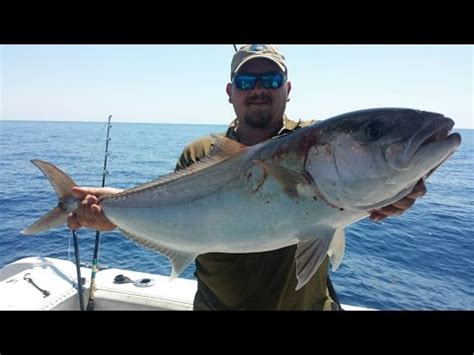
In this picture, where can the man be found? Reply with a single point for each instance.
(258, 91)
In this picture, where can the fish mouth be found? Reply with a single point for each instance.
(439, 136)
(439, 140)
(442, 133)
(454, 138)
(403, 154)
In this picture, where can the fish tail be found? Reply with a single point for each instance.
(62, 184)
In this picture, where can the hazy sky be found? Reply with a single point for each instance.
(186, 83)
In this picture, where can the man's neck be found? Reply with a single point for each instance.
(250, 136)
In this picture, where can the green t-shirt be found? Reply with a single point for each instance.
(254, 281)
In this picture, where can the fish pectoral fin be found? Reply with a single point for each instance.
(288, 179)
(337, 247)
(53, 218)
(309, 255)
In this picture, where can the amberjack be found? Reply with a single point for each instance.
(299, 188)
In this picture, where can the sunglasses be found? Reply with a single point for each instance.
(272, 80)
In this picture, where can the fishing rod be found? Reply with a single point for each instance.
(95, 264)
(90, 303)
(78, 270)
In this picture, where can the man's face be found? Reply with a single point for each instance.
(259, 107)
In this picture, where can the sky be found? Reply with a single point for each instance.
(186, 83)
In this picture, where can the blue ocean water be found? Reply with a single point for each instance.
(423, 259)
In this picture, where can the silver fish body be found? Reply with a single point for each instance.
(300, 188)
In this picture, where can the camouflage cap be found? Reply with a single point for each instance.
(252, 51)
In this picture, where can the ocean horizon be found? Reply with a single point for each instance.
(139, 122)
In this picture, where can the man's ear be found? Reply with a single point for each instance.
(228, 90)
(288, 89)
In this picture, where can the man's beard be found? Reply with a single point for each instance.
(256, 117)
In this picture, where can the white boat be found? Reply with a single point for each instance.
(42, 283)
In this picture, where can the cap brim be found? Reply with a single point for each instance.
(264, 56)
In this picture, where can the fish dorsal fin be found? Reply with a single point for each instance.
(288, 179)
(61, 183)
(309, 255)
(337, 247)
(179, 259)
(222, 149)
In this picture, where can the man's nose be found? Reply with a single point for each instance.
(258, 86)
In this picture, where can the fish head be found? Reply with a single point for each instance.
(372, 158)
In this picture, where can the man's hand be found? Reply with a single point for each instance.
(401, 206)
(89, 214)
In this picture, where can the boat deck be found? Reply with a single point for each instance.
(38, 283)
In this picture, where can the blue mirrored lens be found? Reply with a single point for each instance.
(272, 81)
(268, 80)
(245, 82)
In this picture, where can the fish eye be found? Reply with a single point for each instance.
(373, 131)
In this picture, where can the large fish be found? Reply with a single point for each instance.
(300, 188)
